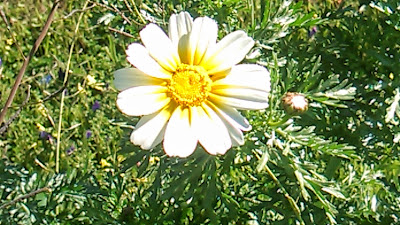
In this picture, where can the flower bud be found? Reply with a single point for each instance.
(294, 103)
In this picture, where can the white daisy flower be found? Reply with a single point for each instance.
(188, 87)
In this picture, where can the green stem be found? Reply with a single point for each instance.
(138, 13)
(280, 122)
(60, 117)
(293, 204)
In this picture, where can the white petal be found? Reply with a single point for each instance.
(204, 34)
(246, 87)
(241, 99)
(142, 100)
(160, 47)
(132, 77)
(183, 49)
(228, 52)
(150, 129)
(232, 116)
(210, 130)
(179, 139)
(235, 134)
(179, 25)
(139, 57)
(233, 121)
(246, 76)
(243, 93)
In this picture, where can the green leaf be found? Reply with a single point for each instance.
(332, 92)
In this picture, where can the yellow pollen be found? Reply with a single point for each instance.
(189, 85)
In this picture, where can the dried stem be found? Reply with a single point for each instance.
(31, 194)
(28, 59)
(115, 9)
(16, 114)
(78, 10)
(121, 32)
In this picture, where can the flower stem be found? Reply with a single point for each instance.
(280, 122)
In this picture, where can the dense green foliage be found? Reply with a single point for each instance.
(339, 163)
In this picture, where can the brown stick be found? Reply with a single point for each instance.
(28, 59)
(121, 32)
(16, 114)
(31, 194)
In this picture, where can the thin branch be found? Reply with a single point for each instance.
(28, 59)
(129, 7)
(114, 9)
(138, 13)
(52, 95)
(31, 194)
(121, 32)
(16, 114)
(78, 10)
(66, 77)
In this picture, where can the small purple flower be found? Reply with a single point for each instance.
(312, 32)
(96, 105)
(88, 134)
(1, 62)
(70, 150)
(44, 135)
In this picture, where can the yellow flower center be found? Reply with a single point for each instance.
(189, 85)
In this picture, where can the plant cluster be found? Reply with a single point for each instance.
(66, 154)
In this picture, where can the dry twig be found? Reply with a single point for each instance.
(31, 194)
(16, 114)
(28, 59)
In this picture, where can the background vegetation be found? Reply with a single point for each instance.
(338, 163)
